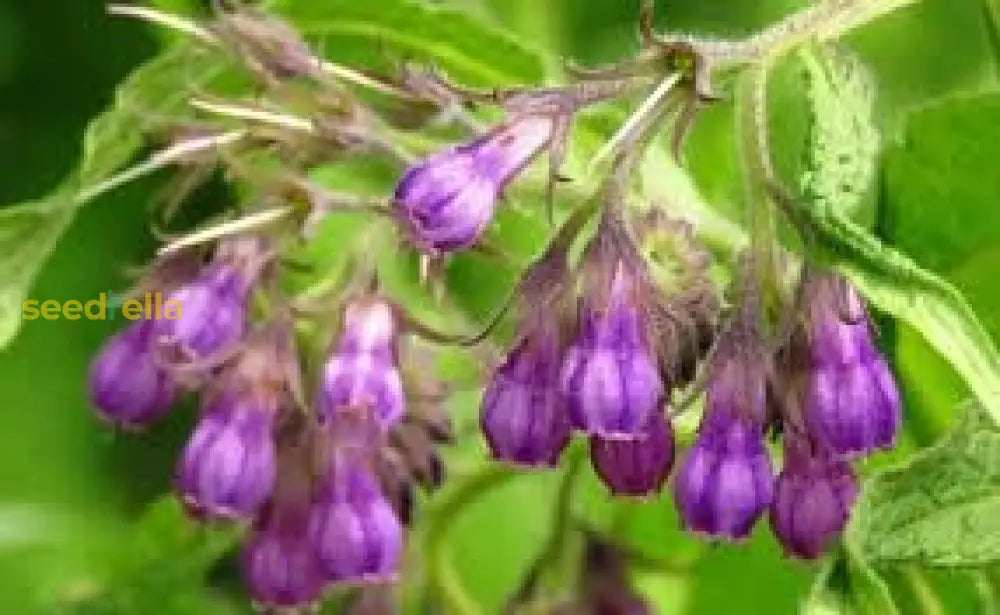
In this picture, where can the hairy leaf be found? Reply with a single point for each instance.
(358, 32)
(843, 140)
(848, 586)
(942, 508)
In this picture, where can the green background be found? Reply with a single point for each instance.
(71, 490)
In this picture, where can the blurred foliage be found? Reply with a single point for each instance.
(81, 527)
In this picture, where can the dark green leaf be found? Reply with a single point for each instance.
(942, 508)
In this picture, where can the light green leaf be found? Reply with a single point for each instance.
(28, 233)
(942, 508)
(355, 33)
(848, 586)
(153, 96)
(843, 141)
(898, 286)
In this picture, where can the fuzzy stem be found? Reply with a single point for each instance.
(638, 117)
(161, 159)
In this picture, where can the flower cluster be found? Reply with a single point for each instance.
(320, 487)
(325, 487)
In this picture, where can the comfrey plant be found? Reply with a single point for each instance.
(738, 369)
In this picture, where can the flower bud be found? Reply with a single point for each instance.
(523, 415)
(812, 499)
(213, 305)
(363, 371)
(228, 466)
(279, 563)
(852, 404)
(356, 533)
(126, 385)
(635, 466)
(212, 313)
(447, 200)
(610, 376)
(725, 482)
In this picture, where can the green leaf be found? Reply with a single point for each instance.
(360, 33)
(942, 508)
(28, 234)
(898, 286)
(162, 567)
(843, 141)
(848, 586)
(152, 97)
(941, 200)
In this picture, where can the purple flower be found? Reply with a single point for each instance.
(279, 562)
(812, 501)
(352, 526)
(610, 376)
(523, 415)
(852, 405)
(228, 466)
(635, 466)
(126, 384)
(447, 200)
(725, 482)
(362, 373)
(212, 313)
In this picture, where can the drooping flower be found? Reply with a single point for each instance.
(354, 529)
(610, 376)
(726, 480)
(523, 415)
(213, 306)
(447, 200)
(279, 561)
(127, 385)
(228, 466)
(852, 405)
(363, 371)
(813, 498)
(635, 466)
